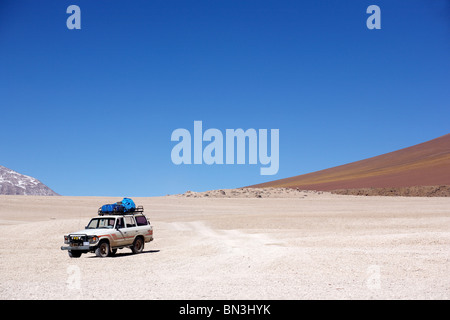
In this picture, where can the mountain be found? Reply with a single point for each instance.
(14, 183)
(424, 164)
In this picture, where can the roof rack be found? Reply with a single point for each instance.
(137, 210)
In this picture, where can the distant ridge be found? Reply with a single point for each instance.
(14, 183)
(424, 164)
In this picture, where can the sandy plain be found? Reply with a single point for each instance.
(232, 244)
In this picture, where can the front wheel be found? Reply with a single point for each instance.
(138, 245)
(102, 250)
(74, 254)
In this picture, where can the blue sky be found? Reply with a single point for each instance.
(91, 111)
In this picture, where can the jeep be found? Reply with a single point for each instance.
(107, 233)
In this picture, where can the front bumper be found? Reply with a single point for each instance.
(79, 242)
(77, 248)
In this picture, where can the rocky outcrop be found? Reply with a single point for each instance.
(14, 183)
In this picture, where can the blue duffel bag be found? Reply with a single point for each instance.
(128, 205)
(109, 207)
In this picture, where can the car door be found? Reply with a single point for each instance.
(130, 230)
(118, 234)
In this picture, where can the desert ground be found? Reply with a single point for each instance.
(235, 244)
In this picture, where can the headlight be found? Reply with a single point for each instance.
(93, 239)
(66, 239)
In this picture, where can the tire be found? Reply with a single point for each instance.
(74, 254)
(138, 245)
(102, 250)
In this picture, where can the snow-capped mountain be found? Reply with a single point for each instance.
(14, 183)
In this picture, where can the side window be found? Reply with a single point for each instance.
(119, 224)
(141, 220)
(130, 222)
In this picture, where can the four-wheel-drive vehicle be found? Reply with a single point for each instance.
(108, 232)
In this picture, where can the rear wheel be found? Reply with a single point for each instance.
(138, 245)
(102, 250)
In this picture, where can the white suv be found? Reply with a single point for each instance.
(107, 233)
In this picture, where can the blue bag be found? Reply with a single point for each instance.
(118, 208)
(128, 205)
(108, 207)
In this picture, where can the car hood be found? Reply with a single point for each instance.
(93, 232)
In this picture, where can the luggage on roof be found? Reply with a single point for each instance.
(108, 207)
(128, 205)
(125, 206)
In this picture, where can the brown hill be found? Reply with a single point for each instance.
(424, 164)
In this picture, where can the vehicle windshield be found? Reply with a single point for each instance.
(101, 223)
